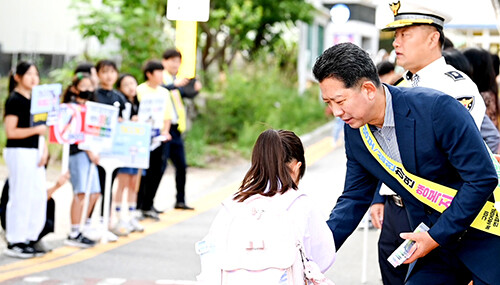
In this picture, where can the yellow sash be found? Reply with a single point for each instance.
(177, 102)
(432, 194)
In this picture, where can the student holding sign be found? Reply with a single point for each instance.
(26, 207)
(155, 106)
(80, 164)
(107, 73)
(127, 177)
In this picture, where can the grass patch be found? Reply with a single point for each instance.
(249, 103)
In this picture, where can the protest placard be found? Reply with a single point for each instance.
(99, 127)
(44, 103)
(130, 145)
(68, 125)
(152, 111)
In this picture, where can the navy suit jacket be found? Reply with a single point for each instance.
(439, 141)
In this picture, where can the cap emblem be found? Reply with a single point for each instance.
(395, 7)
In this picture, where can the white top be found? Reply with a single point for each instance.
(441, 76)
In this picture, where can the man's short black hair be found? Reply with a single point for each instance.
(169, 53)
(346, 62)
(151, 66)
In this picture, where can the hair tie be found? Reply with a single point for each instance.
(79, 75)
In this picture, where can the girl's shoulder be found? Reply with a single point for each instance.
(16, 99)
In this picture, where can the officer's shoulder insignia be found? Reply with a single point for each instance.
(467, 101)
(455, 75)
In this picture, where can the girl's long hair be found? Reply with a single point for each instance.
(21, 69)
(269, 173)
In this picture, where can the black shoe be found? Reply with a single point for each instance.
(151, 215)
(38, 251)
(20, 250)
(156, 210)
(182, 206)
(79, 241)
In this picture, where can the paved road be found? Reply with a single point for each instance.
(164, 254)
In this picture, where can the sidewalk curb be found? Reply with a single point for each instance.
(322, 131)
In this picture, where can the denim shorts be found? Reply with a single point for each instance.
(128, 170)
(82, 173)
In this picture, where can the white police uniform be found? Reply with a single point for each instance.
(445, 78)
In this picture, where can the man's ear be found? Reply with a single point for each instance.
(434, 38)
(369, 88)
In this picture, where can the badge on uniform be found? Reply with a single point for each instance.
(467, 101)
(455, 75)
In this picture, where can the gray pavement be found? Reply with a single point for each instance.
(167, 256)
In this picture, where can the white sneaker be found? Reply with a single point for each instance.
(109, 236)
(121, 229)
(135, 226)
(93, 232)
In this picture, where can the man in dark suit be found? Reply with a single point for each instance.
(433, 137)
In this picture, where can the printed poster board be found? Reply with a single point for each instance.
(68, 126)
(152, 111)
(130, 145)
(100, 125)
(44, 103)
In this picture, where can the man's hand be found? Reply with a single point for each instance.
(377, 214)
(197, 85)
(423, 245)
(181, 82)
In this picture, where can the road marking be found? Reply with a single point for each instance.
(36, 279)
(175, 282)
(69, 255)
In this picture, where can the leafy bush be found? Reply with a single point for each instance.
(250, 103)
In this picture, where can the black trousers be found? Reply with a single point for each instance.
(442, 267)
(395, 222)
(151, 181)
(49, 218)
(174, 150)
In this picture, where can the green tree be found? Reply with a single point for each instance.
(246, 26)
(137, 25)
(235, 26)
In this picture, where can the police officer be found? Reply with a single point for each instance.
(418, 41)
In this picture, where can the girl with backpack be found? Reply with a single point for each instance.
(269, 232)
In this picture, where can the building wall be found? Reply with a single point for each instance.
(43, 30)
(323, 33)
